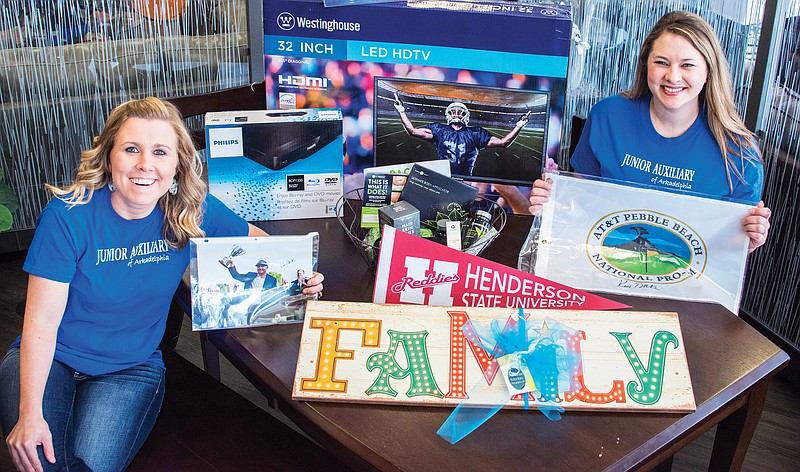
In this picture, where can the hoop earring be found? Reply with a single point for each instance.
(111, 186)
(173, 188)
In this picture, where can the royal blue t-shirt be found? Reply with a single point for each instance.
(121, 274)
(620, 142)
(460, 146)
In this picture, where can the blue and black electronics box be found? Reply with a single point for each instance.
(276, 164)
(503, 61)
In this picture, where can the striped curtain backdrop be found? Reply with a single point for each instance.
(64, 64)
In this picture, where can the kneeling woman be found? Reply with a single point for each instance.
(81, 388)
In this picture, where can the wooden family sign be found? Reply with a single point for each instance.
(363, 352)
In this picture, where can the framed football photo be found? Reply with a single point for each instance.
(488, 134)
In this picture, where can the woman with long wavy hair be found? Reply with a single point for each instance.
(677, 127)
(81, 388)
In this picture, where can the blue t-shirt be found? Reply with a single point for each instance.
(460, 146)
(121, 274)
(620, 142)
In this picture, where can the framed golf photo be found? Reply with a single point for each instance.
(250, 281)
(488, 134)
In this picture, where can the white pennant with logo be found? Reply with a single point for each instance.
(601, 236)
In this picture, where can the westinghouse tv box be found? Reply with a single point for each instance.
(503, 61)
(276, 164)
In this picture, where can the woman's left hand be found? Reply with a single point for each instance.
(756, 225)
(314, 284)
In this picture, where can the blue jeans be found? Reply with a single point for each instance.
(98, 422)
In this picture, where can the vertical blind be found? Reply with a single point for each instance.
(64, 64)
(772, 290)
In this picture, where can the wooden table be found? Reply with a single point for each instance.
(730, 364)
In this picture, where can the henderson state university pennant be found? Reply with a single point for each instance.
(601, 236)
(414, 270)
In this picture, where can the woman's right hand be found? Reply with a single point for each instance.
(44, 308)
(28, 433)
(540, 194)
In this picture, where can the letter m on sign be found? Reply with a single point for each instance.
(418, 268)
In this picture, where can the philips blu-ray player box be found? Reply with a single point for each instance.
(504, 62)
(276, 164)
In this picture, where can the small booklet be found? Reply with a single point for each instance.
(250, 281)
(383, 185)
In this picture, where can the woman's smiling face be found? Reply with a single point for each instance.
(676, 74)
(143, 163)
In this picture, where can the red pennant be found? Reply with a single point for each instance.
(417, 271)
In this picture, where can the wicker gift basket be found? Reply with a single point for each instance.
(348, 210)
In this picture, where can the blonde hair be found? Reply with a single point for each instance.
(724, 121)
(182, 211)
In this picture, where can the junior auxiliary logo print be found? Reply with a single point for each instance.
(646, 247)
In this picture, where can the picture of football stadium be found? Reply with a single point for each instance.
(516, 121)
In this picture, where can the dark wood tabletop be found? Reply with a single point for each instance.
(730, 365)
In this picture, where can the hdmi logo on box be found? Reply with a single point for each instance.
(295, 183)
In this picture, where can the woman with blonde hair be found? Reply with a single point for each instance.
(181, 209)
(81, 388)
(677, 127)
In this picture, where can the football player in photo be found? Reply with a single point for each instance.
(456, 141)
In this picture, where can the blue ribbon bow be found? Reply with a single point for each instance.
(540, 347)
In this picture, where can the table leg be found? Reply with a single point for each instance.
(210, 355)
(735, 432)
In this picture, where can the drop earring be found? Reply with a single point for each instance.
(111, 186)
(173, 188)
